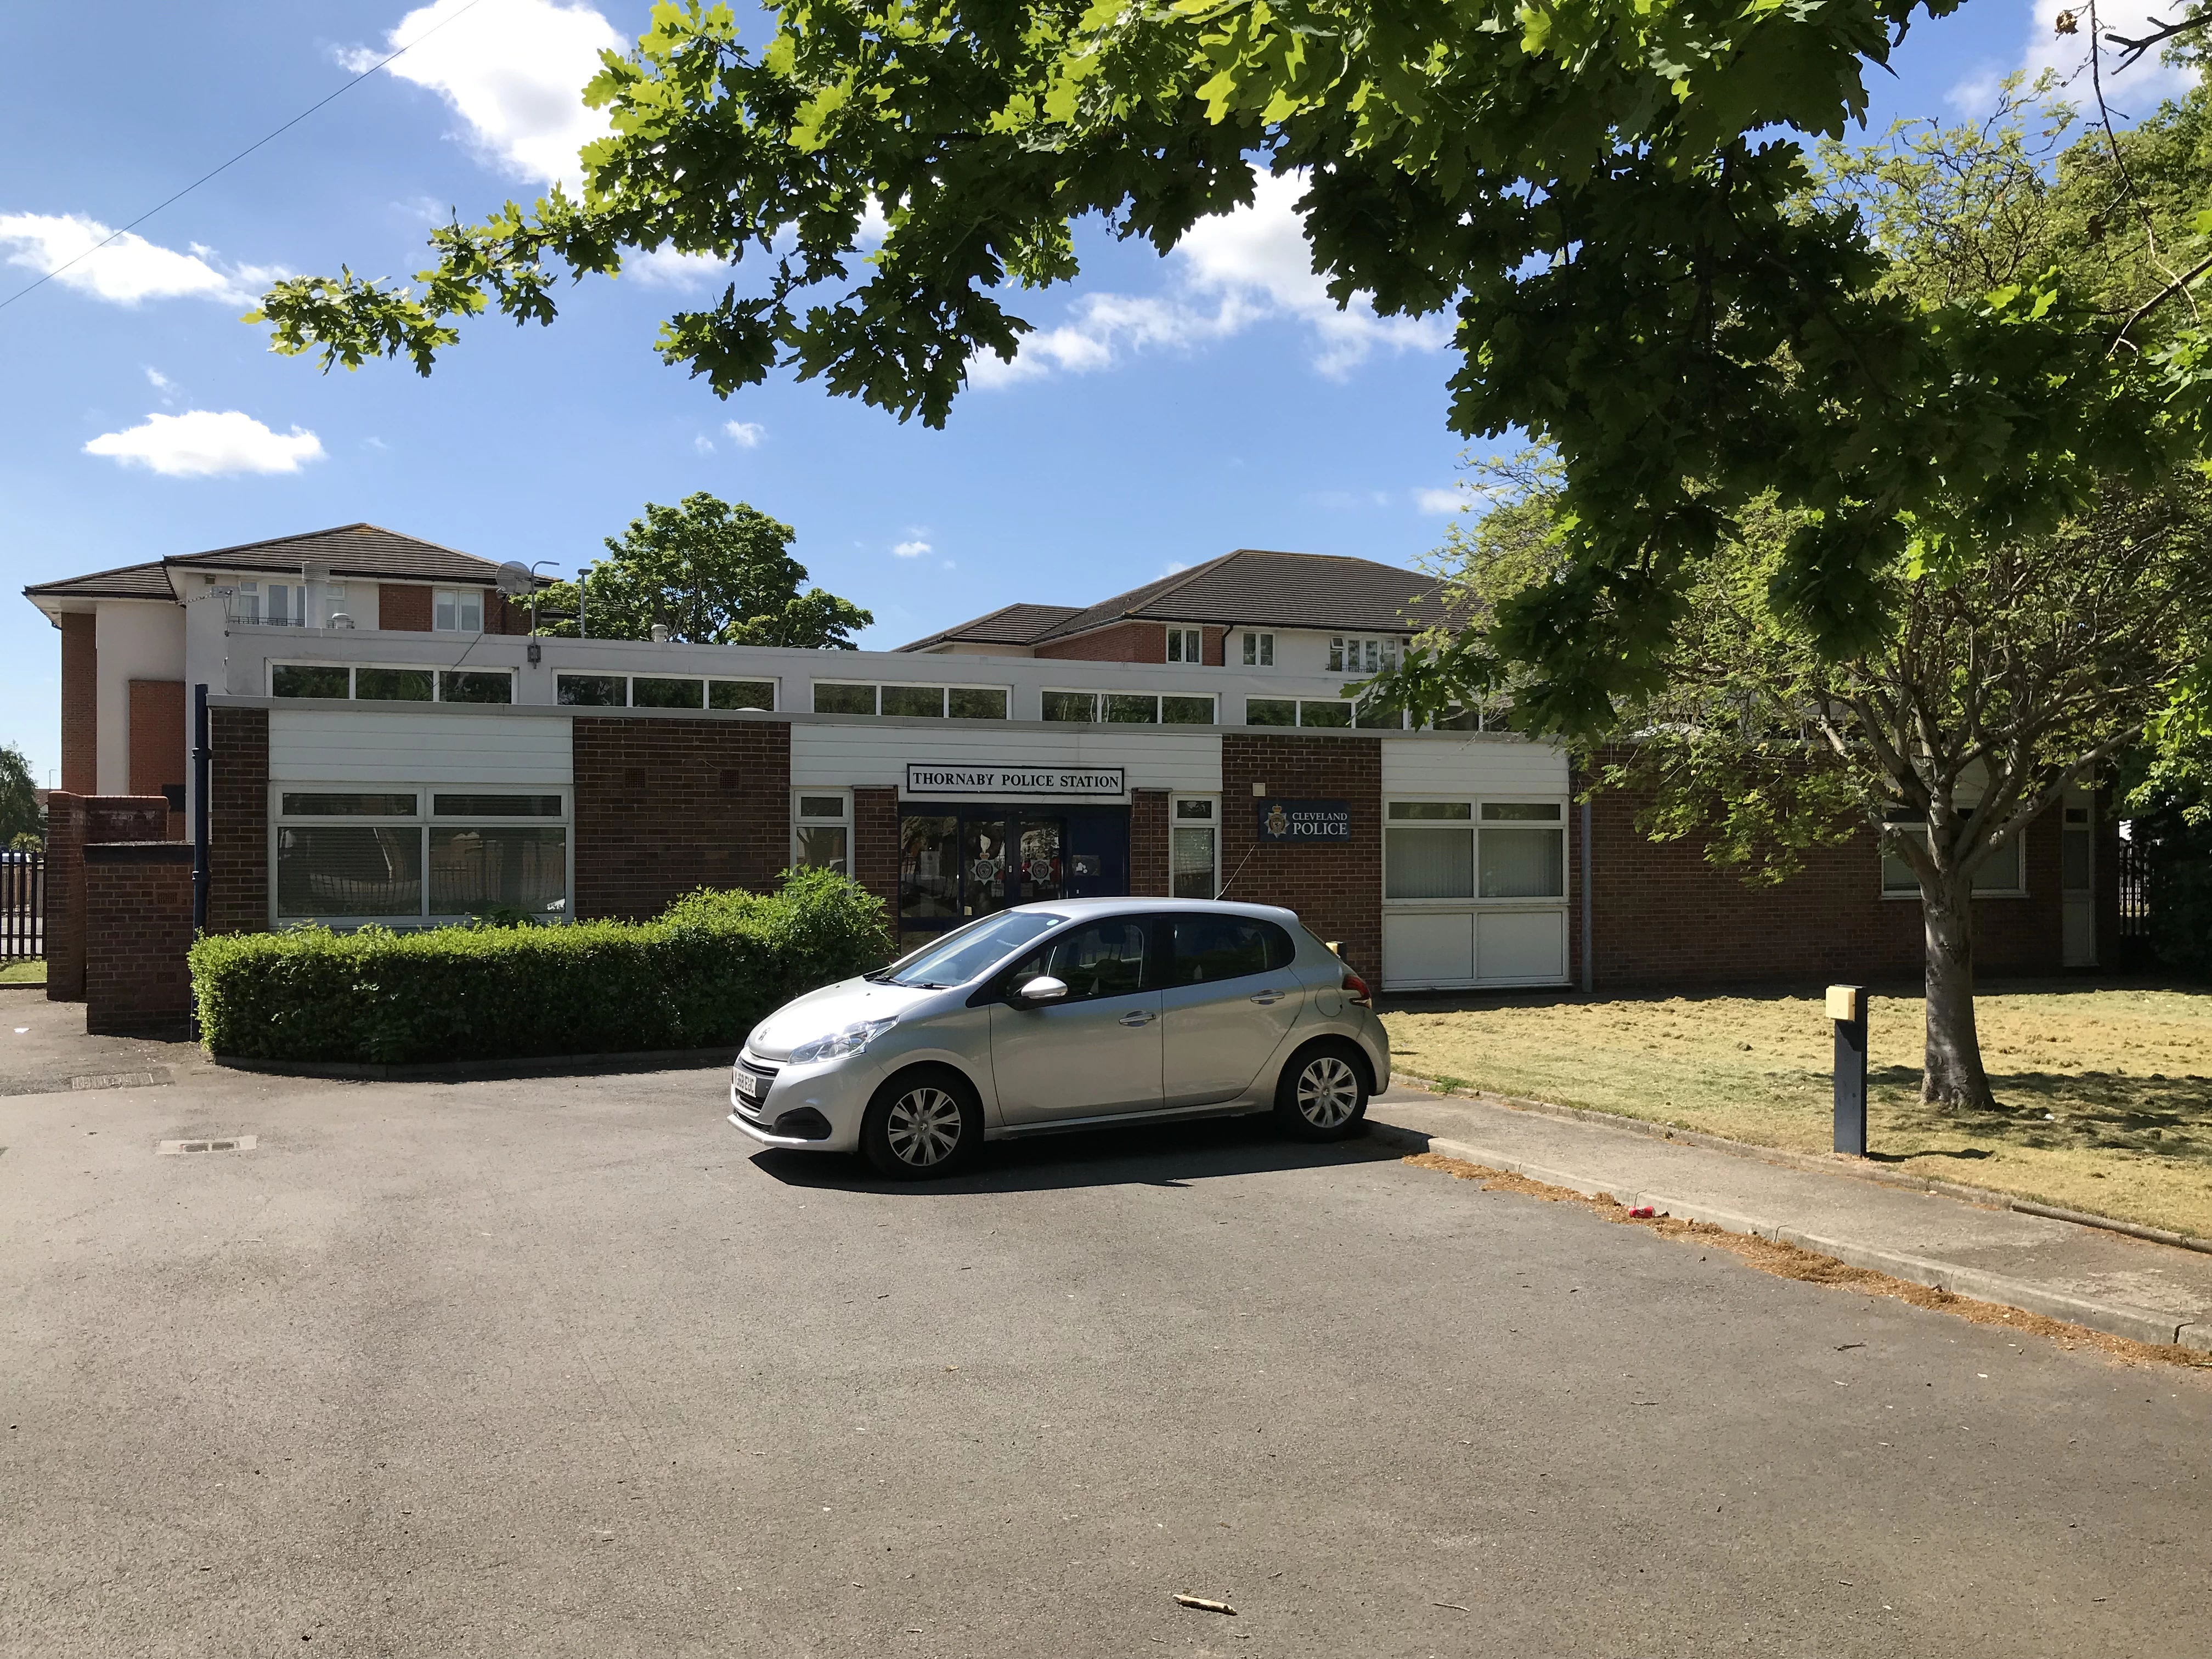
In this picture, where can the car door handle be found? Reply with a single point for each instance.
(1267, 999)
(1137, 1016)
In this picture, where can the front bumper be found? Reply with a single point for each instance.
(837, 1091)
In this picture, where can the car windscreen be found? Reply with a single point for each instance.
(960, 956)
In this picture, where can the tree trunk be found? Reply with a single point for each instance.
(1952, 1076)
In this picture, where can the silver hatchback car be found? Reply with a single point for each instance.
(1060, 1016)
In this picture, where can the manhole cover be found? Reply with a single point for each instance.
(226, 1144)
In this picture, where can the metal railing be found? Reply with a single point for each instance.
(22, 906)
(2134, 890)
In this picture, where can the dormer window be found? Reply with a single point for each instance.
(1185, 646)
(1361, 653)
(1258, 650)
(458, 610)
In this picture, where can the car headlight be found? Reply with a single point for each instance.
(850, 1041)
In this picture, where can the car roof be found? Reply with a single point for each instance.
(1074, 909)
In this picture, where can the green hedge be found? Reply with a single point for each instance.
(700, 976)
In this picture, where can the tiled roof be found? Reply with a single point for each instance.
(1010, 624)
(132, 581)
(1250, 586)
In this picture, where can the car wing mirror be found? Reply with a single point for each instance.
(1035, 993)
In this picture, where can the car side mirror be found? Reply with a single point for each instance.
(1034, 992)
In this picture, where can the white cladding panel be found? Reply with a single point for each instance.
(1436, 766)
(1151, 757)
(396, 745)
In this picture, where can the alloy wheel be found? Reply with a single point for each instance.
(1328, 1091)
(924, 1127)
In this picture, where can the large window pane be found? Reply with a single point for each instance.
(349, 805)
(1129, 708)
(2000, 872)
(1270, 711)
(1081, 706)
(291, 679)
(476, 688)
(659, 691)
(971, 702)
(518, 867)
(924, 701)
(1520, 811)
(1324, 714)
(1425, 864)
(589, 691)
(1187, 711)
(822, 847)
(929, 867)
(496, 806)
(1521, 863)
(741, 694)
(1454, 811)
(844, 699)
(346, 869)
(392, 684)
(1191, 861)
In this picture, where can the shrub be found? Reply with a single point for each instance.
(701, 974)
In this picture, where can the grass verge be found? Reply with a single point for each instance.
(33, 972)
(1766, 1255)
(2105, 1093)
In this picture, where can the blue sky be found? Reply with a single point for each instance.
(1169, 411)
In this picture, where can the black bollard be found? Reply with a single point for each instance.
(1847, 1007)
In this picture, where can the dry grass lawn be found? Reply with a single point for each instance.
(2105, 1093)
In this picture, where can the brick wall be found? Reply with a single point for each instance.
(238, 821)
(667, 805)
(1129, 641)
(503, 616)
(876, 846)
(1148, 844)
(138, 927)
(158, 748)
(1665, 916)
(80, 702)
(73, 822)
(404, 607)
(1336, 890)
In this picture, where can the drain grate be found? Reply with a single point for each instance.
(233, 1144)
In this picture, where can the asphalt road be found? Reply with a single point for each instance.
(554, 1368)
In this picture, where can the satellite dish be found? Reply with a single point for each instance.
(515, 580)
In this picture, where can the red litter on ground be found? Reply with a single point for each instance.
(1642, 1213)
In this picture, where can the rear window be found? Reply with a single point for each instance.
(1203, 950)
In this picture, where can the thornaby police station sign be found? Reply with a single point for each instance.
(1004, 782)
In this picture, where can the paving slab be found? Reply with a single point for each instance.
(2108, 1281)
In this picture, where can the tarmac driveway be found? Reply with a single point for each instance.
(552, 1368)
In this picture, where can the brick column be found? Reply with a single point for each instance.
(138, 927)
(1336, 890)
(64, 896)
(80, 702)
(1149, 872)
(667, 805)
(238, 821)
(876, 848)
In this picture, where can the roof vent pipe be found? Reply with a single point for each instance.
(660, 633)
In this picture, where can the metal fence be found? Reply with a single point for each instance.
(2134, 890)
(22, 906)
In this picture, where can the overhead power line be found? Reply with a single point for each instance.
(241, 156)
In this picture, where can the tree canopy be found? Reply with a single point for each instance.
(19, 801)
(710, 573)
(1612, 198)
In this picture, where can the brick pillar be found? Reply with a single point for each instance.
(1149, 874)
(876, 848)
(1336, 890)
(138, 927)
(80, 702)
(64, 896)
(157, 739)
(238, 821)
(667, 805)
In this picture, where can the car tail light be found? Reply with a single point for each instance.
(1358, 987)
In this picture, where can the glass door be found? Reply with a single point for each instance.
(1041, 874)
(985, 864)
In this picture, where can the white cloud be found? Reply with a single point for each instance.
(745, 435)
(158, 380)
(702, 443)
(128, 270)
(665, 268)
(513, 70)
(911, 550)
(1227, 274)
(203, 443)
(1440, 501)
(2136, 91)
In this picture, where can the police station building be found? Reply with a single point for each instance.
(386, 743)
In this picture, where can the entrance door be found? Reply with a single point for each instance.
(2077, 861)
(957, 862)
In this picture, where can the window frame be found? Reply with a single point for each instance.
(425, 819)
(802, 821)
(435, 671)
(457, 595)
(1187, 646)
(945, 688)
(1298, 722)
(1258, 649)
(1910, 894)
(629, 685)
(1159, 706)
(1212, 822)
(1473, 823)
(1387, 648)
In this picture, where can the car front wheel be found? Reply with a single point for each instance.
(1322, 1094)
(921, 1124)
